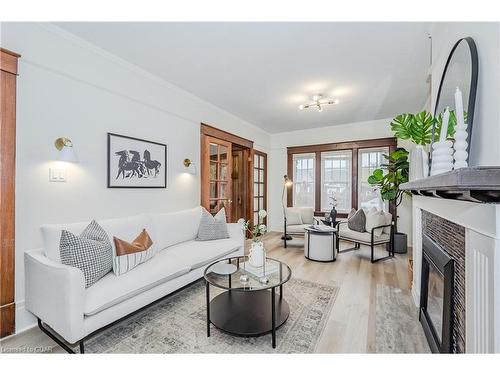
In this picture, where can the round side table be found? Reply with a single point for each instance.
(320, 244)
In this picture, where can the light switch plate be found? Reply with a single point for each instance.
(57, 175)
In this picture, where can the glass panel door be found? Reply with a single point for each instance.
(259, 185)
(216, 180)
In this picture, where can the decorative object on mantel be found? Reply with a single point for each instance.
(461, 155)
(458, 89)
(136, 163)
(418, 129)
(442, 151)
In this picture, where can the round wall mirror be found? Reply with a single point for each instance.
(460, 71)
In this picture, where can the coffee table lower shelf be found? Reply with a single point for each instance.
(248, 313)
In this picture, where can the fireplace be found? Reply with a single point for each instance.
(436, 296)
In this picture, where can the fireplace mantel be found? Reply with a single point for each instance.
(474, 184)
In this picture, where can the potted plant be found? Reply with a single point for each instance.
(388, 178)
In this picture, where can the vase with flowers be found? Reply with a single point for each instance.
(257, 255)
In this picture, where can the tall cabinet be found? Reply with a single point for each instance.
(8, 71)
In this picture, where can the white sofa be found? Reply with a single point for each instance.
(56, 294)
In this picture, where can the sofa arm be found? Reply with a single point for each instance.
(236, 233)
(55, 293)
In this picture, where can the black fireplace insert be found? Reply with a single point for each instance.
(436, 296)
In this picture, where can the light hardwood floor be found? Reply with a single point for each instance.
(351, 324)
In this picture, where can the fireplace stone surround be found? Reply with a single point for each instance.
(480, 224)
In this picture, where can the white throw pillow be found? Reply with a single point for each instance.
(388, 221)
(307, 215)
(293, 216)
(374, 219)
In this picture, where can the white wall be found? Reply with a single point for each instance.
(330, 134)
(486, 129)
(67, 87)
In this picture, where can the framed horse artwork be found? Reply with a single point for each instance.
(136, 163)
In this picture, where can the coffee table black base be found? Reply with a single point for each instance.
(247, 314)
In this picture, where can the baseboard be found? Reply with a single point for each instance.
(416, 297)
(24, 319)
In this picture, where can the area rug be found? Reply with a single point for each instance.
(177, 324)
(398, 329)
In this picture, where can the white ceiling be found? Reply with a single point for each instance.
(261, 72)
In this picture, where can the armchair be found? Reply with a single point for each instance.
(295, 220)
(367, 238)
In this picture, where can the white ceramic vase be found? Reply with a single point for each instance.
(442, 157)
(419, 163)
(257, 256)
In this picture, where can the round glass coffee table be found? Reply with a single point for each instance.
(249, 305)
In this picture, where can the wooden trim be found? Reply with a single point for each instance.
(7, 319)
(354, 178)
(226, 136)
(289, 193)
(354, 146)
(368, 143)
(317, 181)
(260, 153)
(8, 73)
(8, 61)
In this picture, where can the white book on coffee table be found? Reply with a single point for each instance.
(259, 271)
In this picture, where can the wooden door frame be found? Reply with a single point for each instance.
(207, 131)
(8, 68)
(263, 154)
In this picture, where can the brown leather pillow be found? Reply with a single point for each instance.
(141, 243)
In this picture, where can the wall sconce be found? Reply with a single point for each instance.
(66, 154)
(189, 166)
(66, 150)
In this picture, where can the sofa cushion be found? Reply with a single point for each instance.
(176, 227)
(297, 228)
(293, 216)
(307, 215)
(196, 254)
(121, 227)
(346, 233)
(168, 264)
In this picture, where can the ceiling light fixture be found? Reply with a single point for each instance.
(318, 103)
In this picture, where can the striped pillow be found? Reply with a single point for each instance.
(129, 255)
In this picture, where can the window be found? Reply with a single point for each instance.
(339, 169)
(303, 180)
(259, 184)
(336, 172)
(370, 159)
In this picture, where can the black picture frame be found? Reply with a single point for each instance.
(143, 177)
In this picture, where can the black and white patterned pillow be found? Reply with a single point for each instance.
(91, 252)
(212, 227)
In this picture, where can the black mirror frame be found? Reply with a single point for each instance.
(473, 86)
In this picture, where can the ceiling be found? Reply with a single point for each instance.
(261, 72)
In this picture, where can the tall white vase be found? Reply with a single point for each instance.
(419, 163)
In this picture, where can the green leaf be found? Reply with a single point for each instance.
(401, 125)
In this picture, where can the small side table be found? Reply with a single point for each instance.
(320, 244)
